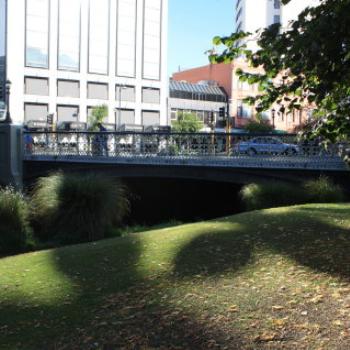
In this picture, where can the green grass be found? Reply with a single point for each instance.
(269, 279)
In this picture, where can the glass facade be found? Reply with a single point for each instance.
(69, 35)
(99, 36)
(2, 49)
(37, 33)
(126, 38)
(152, 39)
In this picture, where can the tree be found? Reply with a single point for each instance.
(98, 115)
(258, 125)
(187, 122)
(306, 64)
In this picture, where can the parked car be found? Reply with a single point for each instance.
(266, 145)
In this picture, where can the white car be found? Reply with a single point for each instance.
(266, 145)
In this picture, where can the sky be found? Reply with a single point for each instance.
(192, 26)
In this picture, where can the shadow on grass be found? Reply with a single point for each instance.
(111, 305)
(301, 234)
(116, 305)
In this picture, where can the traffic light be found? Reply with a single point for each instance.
(222, 112)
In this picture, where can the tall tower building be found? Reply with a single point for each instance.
(66, 56)
(291, 11)
(252, 15)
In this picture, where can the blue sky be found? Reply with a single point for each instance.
(192, 25)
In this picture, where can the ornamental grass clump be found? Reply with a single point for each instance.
(271, 195)
(324, 190)
(72, 208)
(15, 231)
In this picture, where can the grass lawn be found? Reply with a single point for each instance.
(272, 279)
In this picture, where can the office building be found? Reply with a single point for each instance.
(204, 99)
(66, 56)
(252, 15)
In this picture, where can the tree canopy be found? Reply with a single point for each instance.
(98, 115)
(187, 122)
(305, 64)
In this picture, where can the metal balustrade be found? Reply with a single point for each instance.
(197, 149)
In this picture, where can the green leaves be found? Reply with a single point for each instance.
(305, 66)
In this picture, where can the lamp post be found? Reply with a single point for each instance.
(273, 111)
(119, 110)
(8, 119)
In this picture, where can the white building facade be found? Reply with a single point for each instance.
(252, 15)
(64, 57)
(291, 11)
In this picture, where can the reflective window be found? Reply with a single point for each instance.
(68, 88)
(150, 118)
(125, 116)
(69, 35)
(36, 86)
(67, 114)
(99, 36)
(125, 93)
(2, 49)
(150, 95)
(33, 111)
(37, 33)
(126, 37)
(97, 91)
(152, 39)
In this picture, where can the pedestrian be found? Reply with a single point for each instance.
(28, 140)
(103, 139)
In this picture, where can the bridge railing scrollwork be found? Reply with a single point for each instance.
(212, 148)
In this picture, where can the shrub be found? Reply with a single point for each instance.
(262, 196)
(14, 225)
(323, 190)
(254, 126)
(77, 208)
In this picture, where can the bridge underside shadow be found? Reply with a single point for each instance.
(34, 169)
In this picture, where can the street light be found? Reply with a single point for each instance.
(273, 111)
(119, 110)
(8, 119)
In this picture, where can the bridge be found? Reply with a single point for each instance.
(238, 158)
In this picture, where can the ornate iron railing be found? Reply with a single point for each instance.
(265, 150)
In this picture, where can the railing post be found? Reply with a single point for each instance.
(11, 155)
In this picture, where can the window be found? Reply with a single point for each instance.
(98, 36)
(277, 4)
(68, 88)
(125, 93)
(173, 115)
(2, 49)
(150, 95)
(69, 35)
(152, 39)
(67, 113)
(126, 38)
(34, 111)
(36, 86)
(276, 19)
(125, 116)
(97, 91)
(37, 33)
(239, 13)
(150, 118)
(243, 110)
